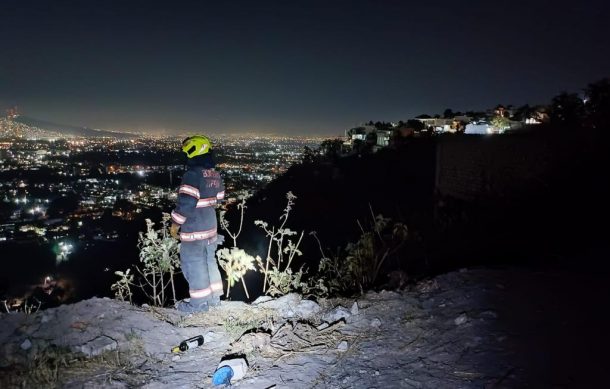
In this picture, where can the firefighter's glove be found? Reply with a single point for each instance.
(173, 230)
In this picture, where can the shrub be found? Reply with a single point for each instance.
(236, 263)
(22, 305)
(278, 277)
(122, 288)
(358, 266)
(355, 268)
(159, 256)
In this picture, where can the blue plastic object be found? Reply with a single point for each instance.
(222, 376)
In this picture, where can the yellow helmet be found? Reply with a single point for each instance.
(196, 145)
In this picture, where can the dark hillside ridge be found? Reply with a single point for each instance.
(527, 198)
(334, 196)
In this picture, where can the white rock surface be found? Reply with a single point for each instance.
(337, 314)
(292, 306)
(26, 345)
(503, 336)
(307, 309)
(463, 318)
(97, 346)
(355, 309)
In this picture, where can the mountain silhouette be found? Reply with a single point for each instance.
(67, 129)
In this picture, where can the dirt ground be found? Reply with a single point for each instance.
(476, 328)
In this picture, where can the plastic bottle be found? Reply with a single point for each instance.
(230, 370)
(189, 344)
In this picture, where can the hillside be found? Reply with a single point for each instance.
(474, 328)
(466, 200)
(334, 196)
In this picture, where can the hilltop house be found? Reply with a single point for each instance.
(437, 124)
(454, 124)
(383, 138)
(366, 135)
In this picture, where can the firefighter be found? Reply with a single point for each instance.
(194, 223)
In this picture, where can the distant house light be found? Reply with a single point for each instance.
(532, 121)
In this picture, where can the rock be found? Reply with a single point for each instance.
(415, 384)
(322, 326)
(343, 346)
(211, 336)
(376, 323)
(376, 372)
(145, 306)
(286, 306)
(290, 306)
(307, 309)
(463, 318)
(45, 318)
(261, 299)
(489, 314)
(336, 314)
(175, 358)
(97, 346)
(252, 341)
(355, 309)
(389, 294)
(26, 345)
(260, 340)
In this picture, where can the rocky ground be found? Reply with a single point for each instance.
(475, 328)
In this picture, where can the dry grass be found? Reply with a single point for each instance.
(235, 318)
(55, 367)
(289, 339)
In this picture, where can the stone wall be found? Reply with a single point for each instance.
(499, 167)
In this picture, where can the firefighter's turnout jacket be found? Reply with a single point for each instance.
(201, 189)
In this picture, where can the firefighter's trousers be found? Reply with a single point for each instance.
(198, 262)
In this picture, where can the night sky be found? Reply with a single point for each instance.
(297, 67)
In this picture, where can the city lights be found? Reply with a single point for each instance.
(69, 199)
